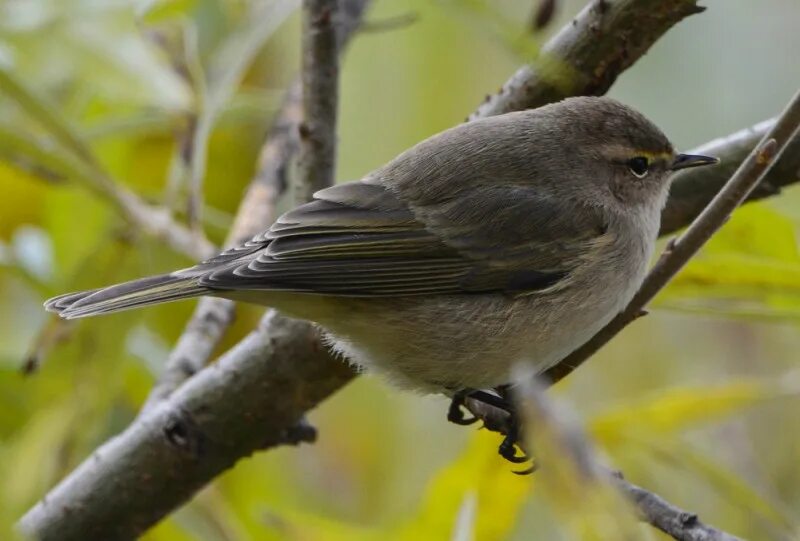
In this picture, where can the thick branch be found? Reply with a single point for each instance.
(587, 55)
(241, 404)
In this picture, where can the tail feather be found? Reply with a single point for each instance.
(145, 291)
(62, 302)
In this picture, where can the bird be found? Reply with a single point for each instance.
(508, 239)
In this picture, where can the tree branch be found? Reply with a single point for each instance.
(693, 189)
(320, 74)
(213, 316)
(270, 380)
(557, 434)
(670, 519)
(241, 404)
(586, 56)
(79, 163)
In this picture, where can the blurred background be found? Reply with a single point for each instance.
(697, 402)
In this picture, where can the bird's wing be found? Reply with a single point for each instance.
(360, 239)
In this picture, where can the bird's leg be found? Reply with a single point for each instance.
(509, 445)
(508, 448)
(456, 414)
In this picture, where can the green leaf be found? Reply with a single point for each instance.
(483, 15)
(157, 11)
(56, 160)
(47, 114)
(215, 86)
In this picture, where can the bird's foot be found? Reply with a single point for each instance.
(510, 448)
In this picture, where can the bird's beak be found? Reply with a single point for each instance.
(685, 161)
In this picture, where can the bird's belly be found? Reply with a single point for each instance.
(435, 344)
(444, 343)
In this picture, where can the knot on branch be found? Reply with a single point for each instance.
(300, 432)
(182, 432)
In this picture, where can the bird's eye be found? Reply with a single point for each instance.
(639, 166)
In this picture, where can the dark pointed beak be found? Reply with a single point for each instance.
(685, 161)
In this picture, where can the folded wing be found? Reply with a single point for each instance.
(359, 239)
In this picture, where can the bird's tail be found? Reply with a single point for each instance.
(145, 291)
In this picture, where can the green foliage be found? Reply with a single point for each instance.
(751, 268)
(648, 426)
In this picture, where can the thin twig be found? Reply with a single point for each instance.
(258, 210)
(192, 144)
(213, 316)
(670, 519)
(561, 433)
(692, 189)
(678, 253)
(226, 69)
(80, 164)
(47, 114)
(320, 75)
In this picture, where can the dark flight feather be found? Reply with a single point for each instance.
(359, 239)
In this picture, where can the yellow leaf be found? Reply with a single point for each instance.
(479, 473)
(676, 409)
(750, 268)
(758, 230)
(22, 199)
(157, 11)
(571, 481)
(168, 530)
(293, 525)
(682, 455)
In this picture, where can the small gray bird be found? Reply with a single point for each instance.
(510, 238)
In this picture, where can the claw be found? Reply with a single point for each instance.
(527, 471)
(508, 449)
(509, 452)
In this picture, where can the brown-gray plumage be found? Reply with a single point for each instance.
(510, 238)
